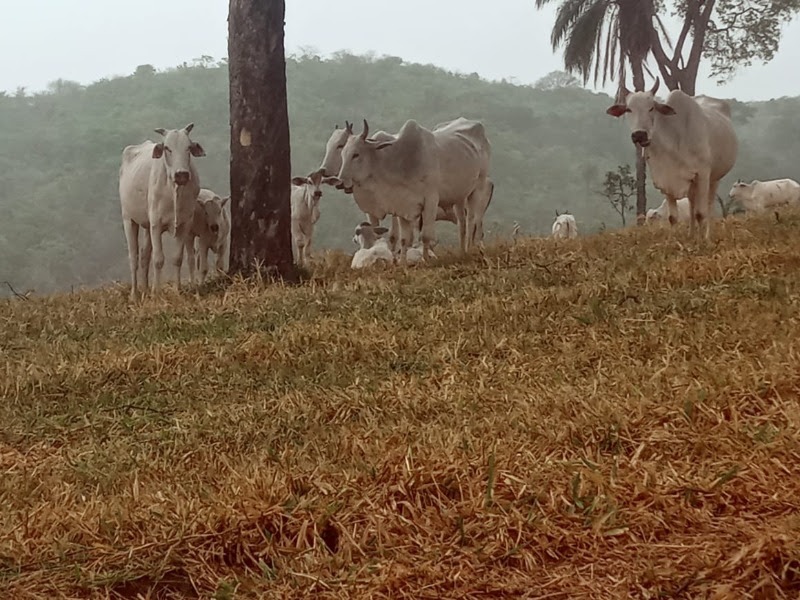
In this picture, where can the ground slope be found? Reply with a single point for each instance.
(614, 417)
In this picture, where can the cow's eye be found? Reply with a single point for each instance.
(167, 149)
(356, 155)
(340, 146)
(651, 109)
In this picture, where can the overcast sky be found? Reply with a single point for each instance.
(85, 40)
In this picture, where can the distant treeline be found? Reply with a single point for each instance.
(60, 151)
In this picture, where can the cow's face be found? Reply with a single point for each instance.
(358, 156)
(641, 108)
(213, 210)
(332, 163)
(652, 216)
(314, 183)
(740, 191)
(366, 235)
(177, 151)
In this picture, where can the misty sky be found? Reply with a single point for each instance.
(43, 40)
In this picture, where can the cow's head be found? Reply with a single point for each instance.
(741, 190)
(332, 162)
(358, 156)
(642, 107)
(214, 212)
(177, 151)
(366, 235)
(313, 182)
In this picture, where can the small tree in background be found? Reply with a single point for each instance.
(619, 189)
(556, 80)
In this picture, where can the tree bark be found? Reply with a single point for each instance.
(260, 161)
(637, 70)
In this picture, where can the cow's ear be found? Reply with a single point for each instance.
(197, 150)
(664, 109)
(160, 131)
(383, 145)
(158, 150)
(380, 230)
(617, 110)
(299, 180)
(331, 181)
(225, 201)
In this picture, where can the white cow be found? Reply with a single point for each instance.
(661, 214)
(398, 177)
(689, 144)
(211, 229)
(758, 196)
(158, 186)
(373, 247)
(465, 191)
(565, 227)
(306, 194)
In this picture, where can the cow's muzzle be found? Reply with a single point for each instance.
(640, 138)
(214, 228)
(181, 177)
(317, 195)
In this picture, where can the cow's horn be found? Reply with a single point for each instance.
(189, 128)
(348, 126)
(655, 87)
(365, 133)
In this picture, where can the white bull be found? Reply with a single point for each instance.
(758, 196)
(158, 186)
(689, 144)
(398, 177)
(565, 227)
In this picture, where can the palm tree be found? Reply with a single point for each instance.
(601, 38)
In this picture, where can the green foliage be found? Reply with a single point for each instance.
(742, 31)
(555, 80)
(619, 188)
(60, 152)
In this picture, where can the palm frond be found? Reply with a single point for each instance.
(566, 16)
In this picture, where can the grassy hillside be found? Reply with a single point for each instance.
(613, 417)
(60, 151)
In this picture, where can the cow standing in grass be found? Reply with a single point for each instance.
(211, 229)
(689, 144)
(158, 188)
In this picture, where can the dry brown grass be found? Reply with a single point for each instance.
(617, 418)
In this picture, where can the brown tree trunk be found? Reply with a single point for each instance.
(260, 163)
(637, 70)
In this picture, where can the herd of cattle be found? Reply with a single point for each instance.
(419, 176)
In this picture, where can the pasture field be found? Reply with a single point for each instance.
(611, 417)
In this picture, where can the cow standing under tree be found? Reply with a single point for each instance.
(689, 144)
(261, 235)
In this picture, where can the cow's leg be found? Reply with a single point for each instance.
(462, 215)
(394, 233)
(672, 210)
(158, 255)
(190, 259)
(146, 254)
(202, 255)
(182, 237)
(712, 194)
(429, 209)
(132, 238)
(406, 228)
(220, 253)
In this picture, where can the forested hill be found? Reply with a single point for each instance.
(60, 151)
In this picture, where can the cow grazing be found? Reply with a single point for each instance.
(373, 247)
(689, 144)
(565, 227)
(211, 230)
(661, 214)
(158, 186)
(398, 177)
(306, 194)
(758, 196)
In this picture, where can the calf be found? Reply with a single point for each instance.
(306, 194)
(374, 248)
(211, 228)
(758, 196)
